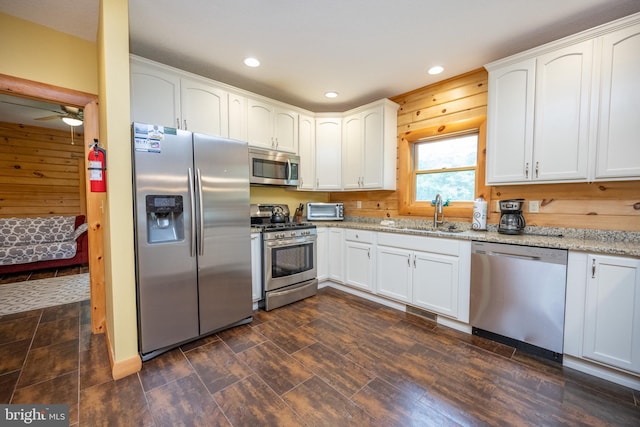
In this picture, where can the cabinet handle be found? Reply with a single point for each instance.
(178, 122)
(369, 253)
(409, 261)
(317, 182)
(414, 262)
(357, 237)
(536, 169)
(593, 268)
(185, 124)
(526, 170)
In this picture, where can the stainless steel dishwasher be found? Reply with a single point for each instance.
(518, 296)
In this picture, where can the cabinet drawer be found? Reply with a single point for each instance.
(420, 243)
(359, 236)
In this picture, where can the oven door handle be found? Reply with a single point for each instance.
(288, 242)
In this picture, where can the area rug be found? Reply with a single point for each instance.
(34, 294)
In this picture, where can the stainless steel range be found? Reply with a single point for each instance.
(289, 260)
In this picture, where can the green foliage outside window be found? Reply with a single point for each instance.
(446, 166)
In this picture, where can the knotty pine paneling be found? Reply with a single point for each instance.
(41, 172)
(430, 110)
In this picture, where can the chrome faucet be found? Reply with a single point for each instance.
(438, 210)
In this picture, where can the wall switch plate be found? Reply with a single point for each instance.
(359, 204)
(534, 206)
(497, 205)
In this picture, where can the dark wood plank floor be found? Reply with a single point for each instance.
(330, 360)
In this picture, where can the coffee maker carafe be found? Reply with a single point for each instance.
(511, 219)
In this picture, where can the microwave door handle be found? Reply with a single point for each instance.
(289, 169)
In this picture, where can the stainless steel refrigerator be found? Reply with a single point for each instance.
(192, 235)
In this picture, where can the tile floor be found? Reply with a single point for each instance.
(330, 360)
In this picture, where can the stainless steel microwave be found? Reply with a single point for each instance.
(325, 211)
(273, 168)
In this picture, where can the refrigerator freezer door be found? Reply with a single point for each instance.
(166, 272)
(224, 262)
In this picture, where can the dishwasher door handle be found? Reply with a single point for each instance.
(510, 255)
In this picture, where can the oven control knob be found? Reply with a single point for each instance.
(292, 234)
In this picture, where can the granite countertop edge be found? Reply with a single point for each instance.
(611, 243)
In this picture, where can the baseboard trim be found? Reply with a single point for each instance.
(609, 374)
(121, 368)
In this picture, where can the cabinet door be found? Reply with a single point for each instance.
(306, 151)
(256, 266)
(612, 312)
(618, 152)
(393, 274)
(562, 108)
(510, 123)
(328, 154)
(336, 242)
(435, 283)
(204, 108)
(285, 130)
(372, 147)
(237, 117)
(352, 152)
(155, 95)
(358, 265)
(260, 124)
(322, 248)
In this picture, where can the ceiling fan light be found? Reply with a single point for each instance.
(72, 121)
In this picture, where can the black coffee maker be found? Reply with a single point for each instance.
(511, 219)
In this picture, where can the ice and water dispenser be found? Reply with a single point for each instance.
(165, 218)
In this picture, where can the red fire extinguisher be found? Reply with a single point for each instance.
(98, 168)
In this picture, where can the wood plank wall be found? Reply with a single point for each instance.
(603, 205)
(41, 172)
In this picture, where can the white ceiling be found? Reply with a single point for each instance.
(363, 49)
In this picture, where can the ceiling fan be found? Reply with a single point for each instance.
(73, 116)
(70, 115)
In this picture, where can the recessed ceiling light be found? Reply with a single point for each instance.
(435, 70)
(331, 94)
(251, 62)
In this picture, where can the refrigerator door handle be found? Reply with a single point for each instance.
(201, 214)
(192, 245)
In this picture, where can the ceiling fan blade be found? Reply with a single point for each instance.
(49, 117)
(32, 106)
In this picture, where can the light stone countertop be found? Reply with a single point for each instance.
(595, 241)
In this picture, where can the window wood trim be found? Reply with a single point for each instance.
(462, 211)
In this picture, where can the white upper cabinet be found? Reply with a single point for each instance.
(164, 96)
(561, 119)
(306, 151)
(566, 111)
(272, 127)
(155, 95)
(369, 147)
(510, 122)
(328, 152)
(237, 117)
(618, 152)
(204, 108)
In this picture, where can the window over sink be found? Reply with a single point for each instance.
(445, 165)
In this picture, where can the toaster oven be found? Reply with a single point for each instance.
(317, 211)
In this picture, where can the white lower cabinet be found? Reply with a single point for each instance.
(603, 310)
(256, 267)
(394, 272)
(335, 243)
(322, 253)
(435, 283)
(359, 259)
(426, 272)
